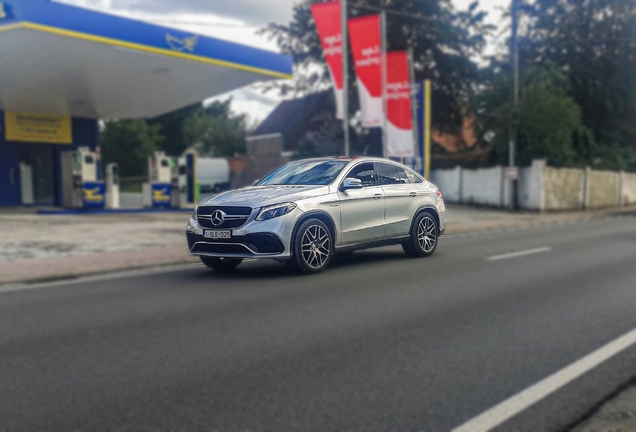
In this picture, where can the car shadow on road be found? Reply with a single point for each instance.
(362, 258)
(269, 269)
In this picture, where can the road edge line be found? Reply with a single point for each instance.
(512, 406)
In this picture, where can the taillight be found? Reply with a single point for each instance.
(439, 193)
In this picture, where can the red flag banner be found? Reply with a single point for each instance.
(400, 116)
(329, 24)
(364, 34)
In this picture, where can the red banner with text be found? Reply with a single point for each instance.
(400, 138)
(329, 24)
(366, 43)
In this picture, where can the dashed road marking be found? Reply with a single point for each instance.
(519, 253)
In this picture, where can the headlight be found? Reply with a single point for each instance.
(194, 212)
(275, 211)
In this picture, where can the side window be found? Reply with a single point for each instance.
(403, 178)
(365, 173)
(388, 174)
(412, 177)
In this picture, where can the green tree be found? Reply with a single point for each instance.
(548, 120)
(129, 143)
(176, 142)
(216, 130)
(444, 42)
(593, 43)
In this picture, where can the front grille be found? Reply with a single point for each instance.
(263, 243)
(234, 217)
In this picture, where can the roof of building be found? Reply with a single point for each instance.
(61, 59)
(295, 118)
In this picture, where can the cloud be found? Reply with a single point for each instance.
(256, 13)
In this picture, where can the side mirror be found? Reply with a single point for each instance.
(352, 183)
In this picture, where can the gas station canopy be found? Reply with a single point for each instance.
(60, 59)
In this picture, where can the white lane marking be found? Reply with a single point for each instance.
(521, 401)
(519, 254)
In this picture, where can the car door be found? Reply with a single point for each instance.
(401, 199)
(362, 210)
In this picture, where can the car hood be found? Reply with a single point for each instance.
(263, 196)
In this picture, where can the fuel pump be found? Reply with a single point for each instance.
(81, 187)
(158, 191)
(191, 195)
(112, 186)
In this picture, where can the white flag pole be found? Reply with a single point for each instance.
(385, 104)
(345, 83)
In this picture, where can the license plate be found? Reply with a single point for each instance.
(217, 234)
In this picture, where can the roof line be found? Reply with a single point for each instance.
(140, 47)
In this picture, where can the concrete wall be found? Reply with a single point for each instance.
(539, 187)
(603, 189)
(449, 182)
(483, 186)
(628, 189)
(563, 189)
(530, 190)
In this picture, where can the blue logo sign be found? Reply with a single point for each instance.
(181, 45)
(94, 194)
(161, 195)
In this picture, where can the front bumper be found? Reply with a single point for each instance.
(256, 239)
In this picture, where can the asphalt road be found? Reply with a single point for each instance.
(379, 342)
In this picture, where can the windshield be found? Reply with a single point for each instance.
(305, 173)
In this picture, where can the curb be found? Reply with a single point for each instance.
(63, 212)
(77, 273)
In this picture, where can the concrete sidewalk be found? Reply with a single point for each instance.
(38, 248)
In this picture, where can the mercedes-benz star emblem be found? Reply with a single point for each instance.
(218, 217)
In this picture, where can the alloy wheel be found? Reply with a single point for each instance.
(316, 246)
(427, 233)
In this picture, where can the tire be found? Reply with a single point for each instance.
(424, 236)
(312, 248)
(221, 264)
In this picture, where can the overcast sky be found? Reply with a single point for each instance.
(234, 20)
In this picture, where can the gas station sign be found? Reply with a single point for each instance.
(38, 128)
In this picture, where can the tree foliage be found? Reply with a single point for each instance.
(129, 143)
(585, 53)
(216, 130)
(213, 130)
(548, 117)
(176, 142)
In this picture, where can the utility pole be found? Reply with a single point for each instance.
(416, 139)
(345, 78)
(385, 74)
(514, 109)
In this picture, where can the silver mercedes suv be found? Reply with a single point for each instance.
(306, 211)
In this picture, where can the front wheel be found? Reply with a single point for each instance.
(221, 264)
(313, 247)
(424, 236)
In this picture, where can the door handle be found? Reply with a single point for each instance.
(377, 196)
(413, 194)
(12, 176)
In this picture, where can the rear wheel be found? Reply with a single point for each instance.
(221, 264)
(313, 247)
(424, 236)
